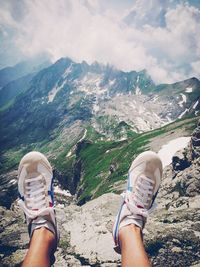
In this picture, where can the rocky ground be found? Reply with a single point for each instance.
(172, 233)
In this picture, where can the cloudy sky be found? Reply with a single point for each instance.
(162, 36)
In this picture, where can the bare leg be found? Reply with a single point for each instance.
(132, 247)
(41, 247)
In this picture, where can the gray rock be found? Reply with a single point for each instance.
(8, 188)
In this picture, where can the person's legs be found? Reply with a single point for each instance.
(35, 185)
(132, 247)
(143, 182)
(41, 247)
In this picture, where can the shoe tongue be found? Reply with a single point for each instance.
(39, 220)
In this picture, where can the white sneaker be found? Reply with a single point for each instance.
(35, 185)
(144, 179)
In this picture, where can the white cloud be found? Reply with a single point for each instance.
(196, 68)
(87, 30)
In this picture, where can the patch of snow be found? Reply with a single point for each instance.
(123, 139)
(84, 89)
(111, 82)
(107, 150)
(84, 135)
(169, 119)
(184, 98)
(167, 151)
(90, 84)
(138, 78)
(196, 103)
(71, 92)
(67, 71)
(183, 113)
(189, 90)
(13, 181)
(43, 100)
(63, 192)
(54, 91)
(155, 98)
(138, 91)
(69, 153)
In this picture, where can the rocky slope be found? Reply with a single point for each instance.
(171, 235)
(58, 97)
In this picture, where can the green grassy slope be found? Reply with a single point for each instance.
(97, 158)
(95, 165)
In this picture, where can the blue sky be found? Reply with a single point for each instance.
(162, 36)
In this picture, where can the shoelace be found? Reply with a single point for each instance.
(138, 200)
(35, 197)
(35, 193)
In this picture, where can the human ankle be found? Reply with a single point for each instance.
(44, 233)
(129, 229)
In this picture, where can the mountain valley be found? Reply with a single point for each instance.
(91, 121)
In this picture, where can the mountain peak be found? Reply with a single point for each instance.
(63, 61)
